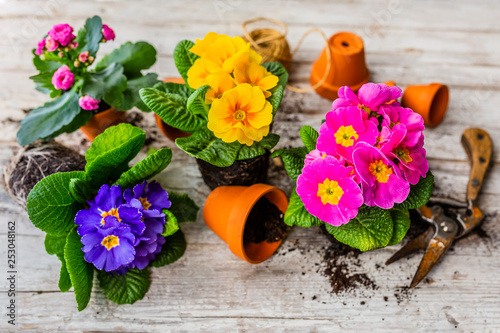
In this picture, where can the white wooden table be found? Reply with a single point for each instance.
(209, 289)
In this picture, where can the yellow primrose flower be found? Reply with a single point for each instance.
(198, 73)
(201, 44)
(242, 114)
(219, 83)
(221, 54)
(246, 71)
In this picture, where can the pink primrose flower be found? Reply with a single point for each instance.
(370, 97)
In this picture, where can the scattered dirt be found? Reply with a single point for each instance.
(137, 118)
(36, 161)
(265, 223)
(403, 294)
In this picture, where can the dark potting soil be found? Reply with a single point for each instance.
(36, 161)
(265, 223)
(244, 172)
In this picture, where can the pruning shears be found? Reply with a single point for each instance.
(450, 219)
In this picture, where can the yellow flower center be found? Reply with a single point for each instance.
(240, 115)
(403, 154)
(392, 124)
(330, 192)
(380, 170)
(145, 203)
(112, 212)
(110, 242)
(344, 136)
(364, 108)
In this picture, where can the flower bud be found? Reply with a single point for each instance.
(60, 54)
(76, 63)
(91, 59)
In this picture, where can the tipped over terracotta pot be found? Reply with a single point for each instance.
(430, 101)
(226, 212)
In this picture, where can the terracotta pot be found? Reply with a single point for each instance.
(243, 172)
(226, 211)
(389, 83)
(101, 121)
(348, 67)
(430, 101)
(171, 132)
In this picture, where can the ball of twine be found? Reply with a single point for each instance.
(272, 45)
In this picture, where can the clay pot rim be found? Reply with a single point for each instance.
(239, 215)
(90, 127)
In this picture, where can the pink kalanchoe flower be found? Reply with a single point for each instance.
(381, 180)
(51, 44)
(412, 161)
(40, 47)
(62, 33)
(63, 78)
(88, 103)
(83, 57)
(343, 129)
(413, 122)
(370, 97)
(107, 33)
(328, 192)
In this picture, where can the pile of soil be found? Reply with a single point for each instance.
(35, 162)
(265, 223)
(244, 172)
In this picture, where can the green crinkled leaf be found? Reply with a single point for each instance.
(296, 214)
(90, 36)
(64, 278)
(420, 193)
(108, 85)
(183, 207)
(371, 229)
(309, 136)
(258, 148)
(134, 57)
(277, 69)
(54, 243)
(131, 94)
(172, 109)
(146, 168)
(174, 88)
(293, 159)
(80, 190)
(50, 206)
(204, 145)
(43, 82)
(401, 222)
(183, 58)
(111, 151)
(127, 288)
(81, 272)
(196, 102)
(172, 250)
(275, 98)
(171, 223)
(43, 122)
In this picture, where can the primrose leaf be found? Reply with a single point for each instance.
(401, 222)
(172, 109)
(108, 85)
(54, 243)
(50, 206)
(127, 288)
(53, 117)
(279, 70)
(296, 214)
(147, 168)
(134, 57)
(258, 148)
(172, 250)
(64, 278)
(196, 102)
(183, 207)
(371, 229)
(80, 190)
(174, 88)
(183, 58)
(111, 151)
(275, 98)
(293, 159)
(171, 223)
(204, 145)
(309, 136)
(420, 193)
(81, 272)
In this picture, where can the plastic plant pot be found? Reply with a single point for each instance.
(101, 121)
(226, 212)
(430, 101)
(348, 66)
